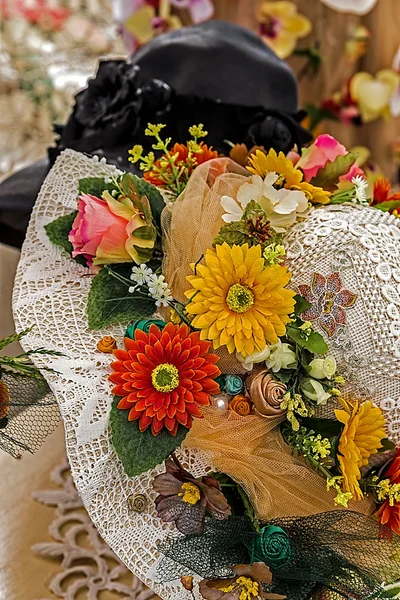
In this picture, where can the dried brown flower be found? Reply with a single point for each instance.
(183, 499)
(240, 153)
(247, 583)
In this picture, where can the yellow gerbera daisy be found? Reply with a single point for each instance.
(364, 429)
(289, 177)
(238, 302)
(261, 163)
(316, 195)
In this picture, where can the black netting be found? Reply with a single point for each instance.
(338, 554)
(32, 414)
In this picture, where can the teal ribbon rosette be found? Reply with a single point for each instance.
(272, 546)
(144, 325)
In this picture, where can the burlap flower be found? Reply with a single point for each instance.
(266, 393)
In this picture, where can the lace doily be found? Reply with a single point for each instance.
(50, 292)
(362, 245)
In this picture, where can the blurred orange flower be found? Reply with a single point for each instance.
(390, 515)
(181, 151)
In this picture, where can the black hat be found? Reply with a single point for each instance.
(215, 73)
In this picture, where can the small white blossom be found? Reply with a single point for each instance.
(131, 289)
(360, 190)
(159, 290)
(141, 274)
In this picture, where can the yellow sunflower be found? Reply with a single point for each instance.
(238, 302)
(289, 177)
(364, 429)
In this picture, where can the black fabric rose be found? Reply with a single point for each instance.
(111, 113)
(106, 112)
(113, 94)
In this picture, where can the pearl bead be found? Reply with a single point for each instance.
(220, 403)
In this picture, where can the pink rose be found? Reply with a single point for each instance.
(103, 231)
(324, 149)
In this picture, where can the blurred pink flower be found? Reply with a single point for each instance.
(324, 149)
(103, 231)
(199, 10)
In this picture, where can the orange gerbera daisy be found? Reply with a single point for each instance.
(182, 152)
(163, 377)
(382, 194)
(389, 513)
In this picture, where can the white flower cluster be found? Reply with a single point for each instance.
(157, 286)
(360, 190)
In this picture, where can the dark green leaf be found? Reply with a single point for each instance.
(328, 176)
(249, 509)
(388, 206)
(110, 302)
(140, 451)
(301, 305)
(94, 186)
(58, 232)
(316, 114)
(237, 498)
(326, 427)
(387, 445)
(284, 376)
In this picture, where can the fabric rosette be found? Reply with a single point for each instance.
(266, 393)
(272, 546)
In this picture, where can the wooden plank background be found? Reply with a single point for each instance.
(332, 29)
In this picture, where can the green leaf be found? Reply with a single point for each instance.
(140, 451)
(110, 302)
(328, 176)
(316, 114)
(131, 184)
(315, 342)
(388, 206)
(58, 232)
(326, 427)
(284, 376)
(237, 498)
(387, 445)
(296, 335)
(94, 186)
(249, 509)
(301, 305)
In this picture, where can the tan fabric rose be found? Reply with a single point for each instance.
(266, 393)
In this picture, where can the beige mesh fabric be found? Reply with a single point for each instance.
(190, 225)
(251, 450)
